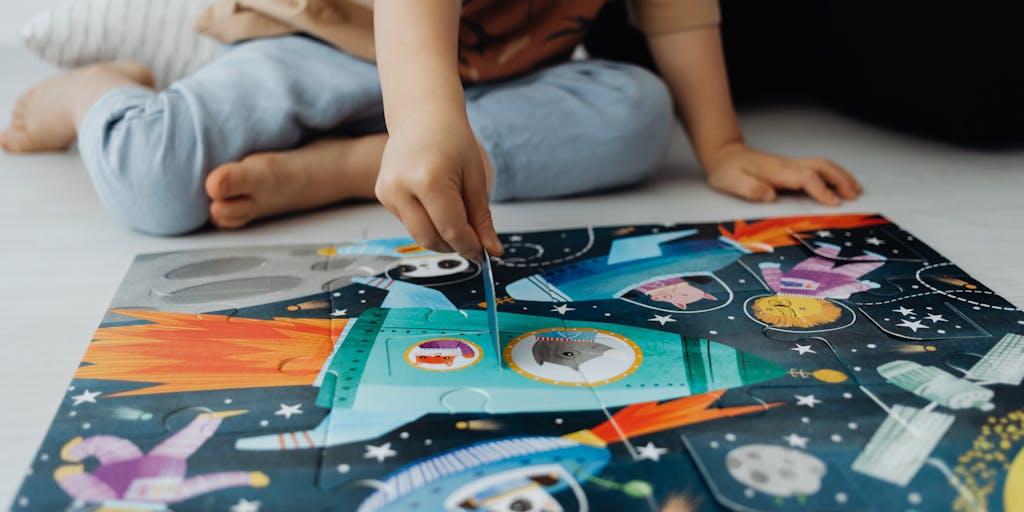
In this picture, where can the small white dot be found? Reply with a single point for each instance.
(336, 294)
(929, 308)
(607, 314)
(847, 396)
(712, 332)
(23, 501)
(914, 498)
(848, 244)
(472, 291)
(805, 419)
(714, 444)
(741, 281)
(914, 286)
(71, 388)
(872, 345)
(73, 414)
(730, 317)
(44, 457)
(836, 438)
(853, 350)
(841, 497)
(559, 421)
(895, 251)
(957, 326)
(941, 331)
(748, 492)
(886, 319)
(977, 308)
(86, 425)
(344, 468)
(362, 301)
(404, 435)
(227, 400)
(595, 306)
(851, 425)
(264, 423)
(428, 442)
(565, 250)
(856, 368)
(1020, 322)
(524, 308)
(362, 292)
(730, 437)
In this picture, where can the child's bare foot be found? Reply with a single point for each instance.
(318, 174)
(47, 116)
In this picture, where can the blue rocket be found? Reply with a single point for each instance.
(630, 261)
(375, 382)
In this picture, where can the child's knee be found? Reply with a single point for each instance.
(645, 116)
(146, 173)
(637, 119)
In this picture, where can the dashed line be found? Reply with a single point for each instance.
(917, 276)
(577, 254)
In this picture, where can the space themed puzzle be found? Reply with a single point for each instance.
(800, 363)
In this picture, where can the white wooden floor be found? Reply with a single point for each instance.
(62, 257)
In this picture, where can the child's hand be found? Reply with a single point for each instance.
(755, 176)
(432, 177)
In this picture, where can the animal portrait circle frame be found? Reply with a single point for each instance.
(638, 357)
(408, 353)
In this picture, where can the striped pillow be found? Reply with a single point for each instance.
(157, 33)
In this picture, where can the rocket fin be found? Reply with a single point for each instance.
(407, 295)
(643, 247)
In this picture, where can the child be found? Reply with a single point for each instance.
(466, 100)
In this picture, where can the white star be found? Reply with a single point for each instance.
(379, 452)
(339, 312)
(936, 318)
(650, 452)
(874, 241)
(904, 311)
(914, 326)
(245, 505)
(803, 349)
(807, 400)
(86, 396)
(661, 319)
(563, 309)
(288, 410)
(824, 234)
(796, 441)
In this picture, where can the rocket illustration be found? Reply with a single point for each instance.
(375, 383)
(525, 473)
(630, 263)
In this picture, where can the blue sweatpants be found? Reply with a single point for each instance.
(565, 129)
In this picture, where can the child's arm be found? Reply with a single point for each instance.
(691, 62)
(432, 174)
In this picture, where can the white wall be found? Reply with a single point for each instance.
(13, 13)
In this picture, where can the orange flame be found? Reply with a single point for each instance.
(765, 234)
(649, 417)
(180, 352)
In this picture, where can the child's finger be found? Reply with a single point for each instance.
(448, 213)
(840, 179)
(815, 187)
(478, 209)
(746, 186)
(418, 223)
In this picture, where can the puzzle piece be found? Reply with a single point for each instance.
(874, 243)
(374, 383)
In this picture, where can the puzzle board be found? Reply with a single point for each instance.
(800, 363)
